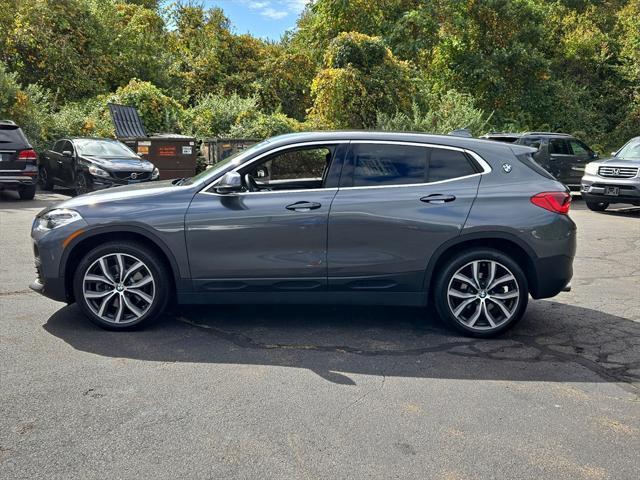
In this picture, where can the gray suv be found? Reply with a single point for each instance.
(335, 217)
(614, 180)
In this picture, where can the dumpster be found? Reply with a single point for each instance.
(173, 154)
(217, 149)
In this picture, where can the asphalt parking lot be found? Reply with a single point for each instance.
(325, 392)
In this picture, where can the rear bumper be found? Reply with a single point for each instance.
(17, 181)
(552, 276)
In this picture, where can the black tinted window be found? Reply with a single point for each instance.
(57, 147)
(10, 134)
(447, 164)
(559, 147)
(388, 164)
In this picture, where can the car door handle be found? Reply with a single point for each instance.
(303, 206)
(438, 198)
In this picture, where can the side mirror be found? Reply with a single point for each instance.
(67, 153)
(595, 155)
(229, 183)
(613, 154)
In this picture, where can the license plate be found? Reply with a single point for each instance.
(613, 191)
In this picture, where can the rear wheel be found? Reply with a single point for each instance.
(481, 293)
(27, 193)
(597, 206)
(122, 285)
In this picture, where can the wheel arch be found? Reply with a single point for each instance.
(502, 241)
(84, 243)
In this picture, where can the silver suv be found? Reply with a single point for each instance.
(613, 180)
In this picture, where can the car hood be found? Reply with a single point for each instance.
(124, 163)
(616, 162)
(138, 191)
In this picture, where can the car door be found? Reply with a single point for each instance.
(274, 239)
(67, 163)
(397, 203)
(54, 162)
(561, 161)
(582, 155)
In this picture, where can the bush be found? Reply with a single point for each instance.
(260, 125)
(214, 115)
(443, 114)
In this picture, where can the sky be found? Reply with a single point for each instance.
(267, 19)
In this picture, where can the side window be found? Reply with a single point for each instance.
(559, 146)
(580, 148)
(532, 142)
(301, 168)
(448, 164)
(67, 145)
(57, 147)
(378, 164)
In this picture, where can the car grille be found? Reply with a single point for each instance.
(130, 175)
(618, 172)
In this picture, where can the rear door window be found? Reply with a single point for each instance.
(559, 146)
(381, 164)
(446, 164)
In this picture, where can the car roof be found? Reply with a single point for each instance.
(547, 134)
(92, 138)
(444, 140)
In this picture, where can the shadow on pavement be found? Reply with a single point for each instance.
(554, 342)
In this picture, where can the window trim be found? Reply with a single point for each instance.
(486, 168)
(291, 146)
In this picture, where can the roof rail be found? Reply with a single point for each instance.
(8, 122)
(548, 133)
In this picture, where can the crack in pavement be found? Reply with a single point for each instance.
(545, 352)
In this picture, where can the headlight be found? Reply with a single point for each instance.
(591, 169)
(155, 174)
(98, 172)
(57, 218)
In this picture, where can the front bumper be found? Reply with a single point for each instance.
(100, 183)
(593, 189)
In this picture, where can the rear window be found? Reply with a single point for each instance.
(529, 161)
(13, 136)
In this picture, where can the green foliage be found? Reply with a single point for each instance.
(214, 115)
(565, 65)
(361, 78)
(444, 113)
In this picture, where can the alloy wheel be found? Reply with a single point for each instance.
(119, 288)
(483, 295)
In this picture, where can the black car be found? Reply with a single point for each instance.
(87, 164)
(18, 161)
(561, 154)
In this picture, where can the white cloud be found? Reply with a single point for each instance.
(296, 6)
(273, 14)
(257, 5)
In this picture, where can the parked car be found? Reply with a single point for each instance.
(562, 155)
(614, 180)
(18, 161)
(333, 217)
(87, 164)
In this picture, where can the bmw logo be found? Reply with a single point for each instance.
(506, 167)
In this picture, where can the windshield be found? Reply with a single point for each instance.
(216, 167)
(631, 151)
(103, 148)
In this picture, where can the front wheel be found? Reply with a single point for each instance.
(83, 184)
(481, 293)
(597, 206)
(122, 285)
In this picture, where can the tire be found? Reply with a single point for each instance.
(597, 206)
(83, 184)
(474, 311)
(116, 305)
(27, 193)
(45, 179)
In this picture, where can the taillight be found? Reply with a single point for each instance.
(26, 155)
(557, 202)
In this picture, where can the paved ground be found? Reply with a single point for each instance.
(264, 392)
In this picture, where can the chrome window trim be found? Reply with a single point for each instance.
(481, 161)
(265, 154)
